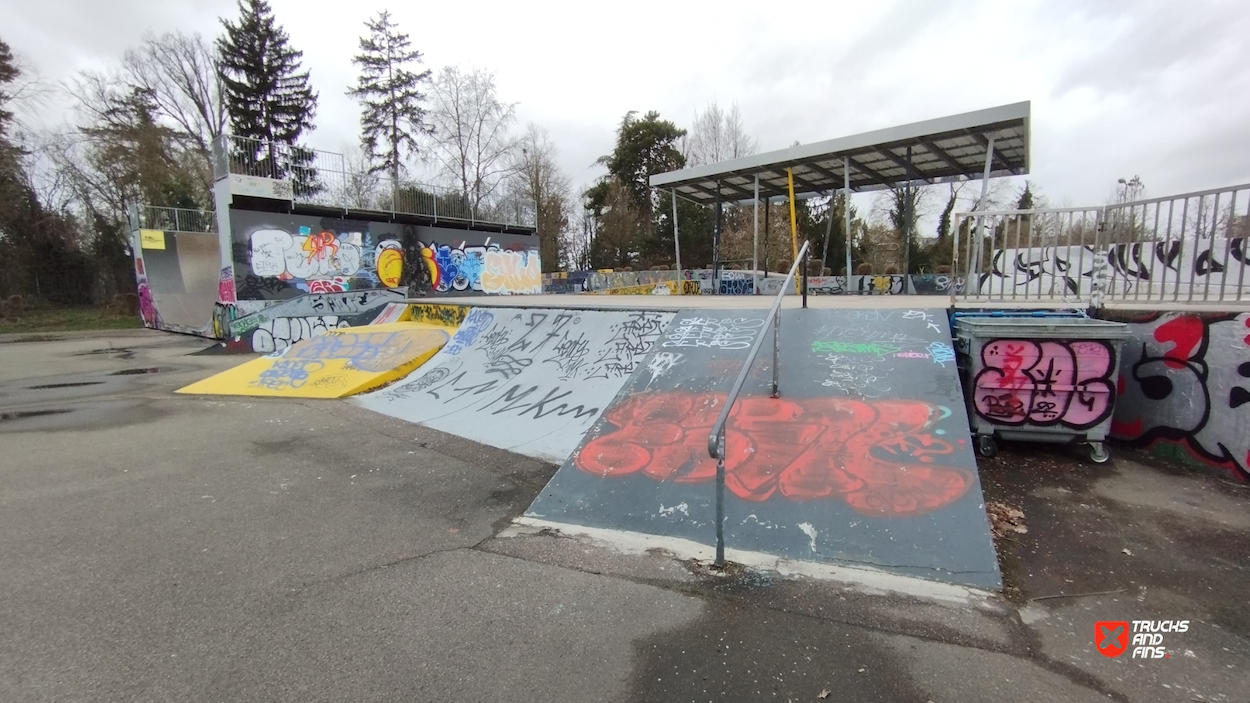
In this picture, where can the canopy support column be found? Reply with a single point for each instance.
(824, 255)
(755, 239)
(846, 212)
(908, 225)
(676, 243)
(794, 225)
(974, 266)
(716, 244)
(767, 202)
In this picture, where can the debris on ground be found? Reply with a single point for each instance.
(1005, 520)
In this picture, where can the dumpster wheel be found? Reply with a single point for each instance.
(987, 447)
(1098, 453)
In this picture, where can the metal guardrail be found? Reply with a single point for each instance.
(322, 178)
(716, 441)
(172, 219)
(1188, 248)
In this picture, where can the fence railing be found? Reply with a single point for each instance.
(323, 178)
(716, 440)
(172, 219)
(1189, 248)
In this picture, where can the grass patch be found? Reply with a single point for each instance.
(70, 319)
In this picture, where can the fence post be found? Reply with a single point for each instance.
(1097, 292)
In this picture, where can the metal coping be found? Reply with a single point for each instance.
(946, 149)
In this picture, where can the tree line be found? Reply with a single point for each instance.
(145, 130)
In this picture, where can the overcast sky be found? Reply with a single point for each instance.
(1157, 89)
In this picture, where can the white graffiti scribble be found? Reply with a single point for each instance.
(663, 362)
(729, 333)
(942, 353)
(810, 531)
(682, 508)
(276, 335)
(275, 252)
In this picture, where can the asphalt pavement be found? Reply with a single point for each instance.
(158, 547)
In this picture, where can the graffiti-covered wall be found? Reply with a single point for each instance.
(294, 277)
(1134, 268)
(280, 256)
(1185, 388)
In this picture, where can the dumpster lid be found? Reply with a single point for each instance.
(1040, 328)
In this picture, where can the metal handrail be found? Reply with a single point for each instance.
(716, 441)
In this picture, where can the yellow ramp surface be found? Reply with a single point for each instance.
(338, 363)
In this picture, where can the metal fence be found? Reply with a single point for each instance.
(172, 219)
(322, 178)
(1188, 248)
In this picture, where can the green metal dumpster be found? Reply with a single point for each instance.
(1041, 380)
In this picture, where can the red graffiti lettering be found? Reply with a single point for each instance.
(876, 456)
(1185, 333)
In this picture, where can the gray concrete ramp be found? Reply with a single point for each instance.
(865, 460)
(530, 381)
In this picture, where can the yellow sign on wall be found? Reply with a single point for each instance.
(151, 239)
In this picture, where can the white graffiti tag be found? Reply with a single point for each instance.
(729, 333)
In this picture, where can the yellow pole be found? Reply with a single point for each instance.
(794, 229)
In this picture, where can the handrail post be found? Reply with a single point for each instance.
(806, 258)
(776, 345)
(716, 438)
(720, 499)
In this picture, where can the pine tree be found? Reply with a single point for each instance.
(392, 114)
(266, 94)
(8, 73)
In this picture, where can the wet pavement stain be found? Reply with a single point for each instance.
(23, 414)
(120, 352)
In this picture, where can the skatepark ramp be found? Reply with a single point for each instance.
(865, 458)
(334, 364)
(532, 381)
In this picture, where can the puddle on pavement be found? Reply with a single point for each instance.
(136, 372)
(65, 385)
(23, 414)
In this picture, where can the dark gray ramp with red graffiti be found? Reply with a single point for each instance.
(865, 459)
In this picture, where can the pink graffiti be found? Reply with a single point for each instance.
(338, 284)
(147, 308)
(1045, 383)
(225, 286)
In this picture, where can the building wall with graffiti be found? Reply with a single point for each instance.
(279, 256)
(1184, 389)
(294, 277)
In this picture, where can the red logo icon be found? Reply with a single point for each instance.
(1111, 637)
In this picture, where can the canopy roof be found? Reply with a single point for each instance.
(945, 149)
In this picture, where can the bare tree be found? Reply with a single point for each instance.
(718, 135)
(539, 178)
(362, 185)
(179, 73)
(471, 141)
